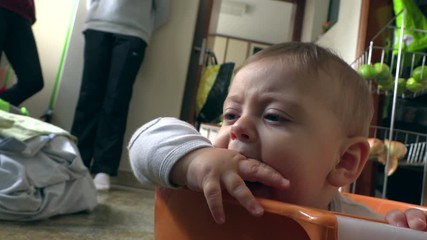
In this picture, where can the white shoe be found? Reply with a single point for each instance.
(102, 182)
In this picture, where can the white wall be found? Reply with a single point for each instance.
(343, 36)
(315, 13)
(159, 87)
(161, 81)
(264, 21)
(69, 86)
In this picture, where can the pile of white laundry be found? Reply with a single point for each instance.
(41, 172)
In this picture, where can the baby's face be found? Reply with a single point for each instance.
(274, 116)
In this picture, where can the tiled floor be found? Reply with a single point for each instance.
(122, 214)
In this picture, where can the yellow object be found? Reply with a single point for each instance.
(206, 82)
(379, 151)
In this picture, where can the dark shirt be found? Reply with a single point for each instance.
(24, 8)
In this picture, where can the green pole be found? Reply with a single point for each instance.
(47, 116)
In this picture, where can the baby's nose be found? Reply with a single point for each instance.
(243, 130)
(239, 135)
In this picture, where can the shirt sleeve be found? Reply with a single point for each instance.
(88, 4)
(161, 8)
(341, 203)
(156, 146)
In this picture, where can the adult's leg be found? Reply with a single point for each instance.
(97, 55)
(21, 50)
(128, 55)
(4, 26)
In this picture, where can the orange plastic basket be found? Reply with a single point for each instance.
(183, 214)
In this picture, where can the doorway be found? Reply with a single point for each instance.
(215, 31)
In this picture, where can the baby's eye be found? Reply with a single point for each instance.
(274, 117)
(230, 116)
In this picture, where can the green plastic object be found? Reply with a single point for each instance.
(7, 107)
(413, 19)
(25, 111)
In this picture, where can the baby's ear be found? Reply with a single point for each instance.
(354, 154)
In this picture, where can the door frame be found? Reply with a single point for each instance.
(188, 106)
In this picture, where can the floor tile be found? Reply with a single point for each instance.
(122, 213)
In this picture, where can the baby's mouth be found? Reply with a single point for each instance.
(259, 190)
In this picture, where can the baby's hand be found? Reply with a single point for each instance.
(411, 218)
(210, 170)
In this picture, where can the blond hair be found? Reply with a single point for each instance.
(345, 91)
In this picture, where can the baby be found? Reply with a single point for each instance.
(295, 128)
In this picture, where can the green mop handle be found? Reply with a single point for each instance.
(47, 116)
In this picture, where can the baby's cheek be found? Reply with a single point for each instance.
(279, 156)
(221, 140)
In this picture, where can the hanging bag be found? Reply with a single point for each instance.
(213, 89)
(210, 71)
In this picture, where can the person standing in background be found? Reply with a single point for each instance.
(116, 33)
(18, 43)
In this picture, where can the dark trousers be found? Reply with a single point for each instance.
(111, 63)
(18, 43)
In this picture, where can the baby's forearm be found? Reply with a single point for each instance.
(179, 172)
(158, 145)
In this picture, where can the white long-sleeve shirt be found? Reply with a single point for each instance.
(137, 18)
(159, 144)
(156, 146)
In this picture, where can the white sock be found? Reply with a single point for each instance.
(102, 181)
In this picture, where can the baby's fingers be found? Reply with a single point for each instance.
(212, 192)
(397, 218)
(237, 188)
(411, 218)
(416, 219)
(256, 171)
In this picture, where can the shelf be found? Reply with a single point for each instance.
(393, 45)
(408, 63)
